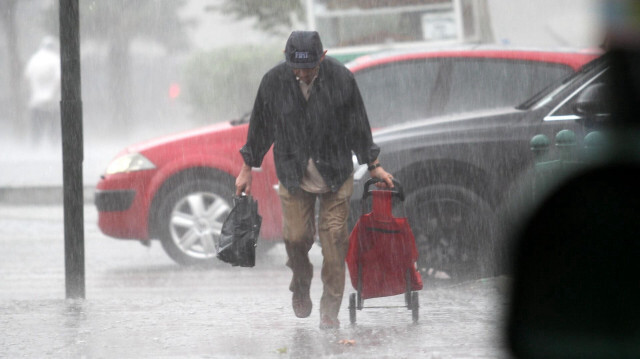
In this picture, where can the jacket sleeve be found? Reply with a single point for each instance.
(260, 136)
(362, 142)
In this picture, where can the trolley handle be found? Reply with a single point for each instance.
(397, 191)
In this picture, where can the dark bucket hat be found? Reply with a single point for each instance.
(303, 50)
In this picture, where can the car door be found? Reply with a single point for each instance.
(495, 83)
(562, 115)
(552, 112)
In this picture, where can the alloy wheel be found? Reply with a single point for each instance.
(196, 222)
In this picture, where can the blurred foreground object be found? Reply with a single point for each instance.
(575, 290)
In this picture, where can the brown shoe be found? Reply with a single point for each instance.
(327, 322)
(301, 303)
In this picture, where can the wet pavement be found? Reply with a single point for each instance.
(139, 304)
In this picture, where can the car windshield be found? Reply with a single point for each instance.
(548, 94)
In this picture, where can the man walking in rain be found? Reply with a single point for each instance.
(310, 109)
(43, 74)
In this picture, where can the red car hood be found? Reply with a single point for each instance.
(173, 139)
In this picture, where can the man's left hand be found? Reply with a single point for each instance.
(381, 174)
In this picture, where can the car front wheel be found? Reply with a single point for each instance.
(454, 230)
(191, 218)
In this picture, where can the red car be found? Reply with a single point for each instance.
(179, 188)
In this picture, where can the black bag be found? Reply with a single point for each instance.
(240, 232)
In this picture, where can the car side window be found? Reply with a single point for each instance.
(492, 83)
(395, 92)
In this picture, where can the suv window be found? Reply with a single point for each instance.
(490, 83)
(408, 90)
(396, 91)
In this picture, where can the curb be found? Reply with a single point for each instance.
(39, 195)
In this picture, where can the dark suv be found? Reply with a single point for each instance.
(458, 171)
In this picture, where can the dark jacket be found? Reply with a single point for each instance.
(326, 128)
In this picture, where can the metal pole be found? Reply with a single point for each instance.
(72, 149)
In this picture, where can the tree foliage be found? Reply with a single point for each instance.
(222, 83)
(113, 20)
(155, 20)
(116, 23)
(273, 16)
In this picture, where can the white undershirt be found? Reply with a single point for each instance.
(312, 181)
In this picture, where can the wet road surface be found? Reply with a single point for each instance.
(139, 304)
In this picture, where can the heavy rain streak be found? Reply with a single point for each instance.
(454, 93)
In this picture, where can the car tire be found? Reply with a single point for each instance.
(191, 217)
(455, 232)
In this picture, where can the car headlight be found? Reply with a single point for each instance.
(360, 169)
(129, 162)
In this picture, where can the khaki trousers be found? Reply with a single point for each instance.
(298, 211)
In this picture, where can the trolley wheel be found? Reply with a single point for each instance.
(415, 307)
(352, 308)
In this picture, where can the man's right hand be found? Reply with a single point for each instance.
(243, 182)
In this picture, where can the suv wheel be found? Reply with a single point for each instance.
(454, 230)
(191, 218)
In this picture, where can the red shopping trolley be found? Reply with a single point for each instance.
(382, 253)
